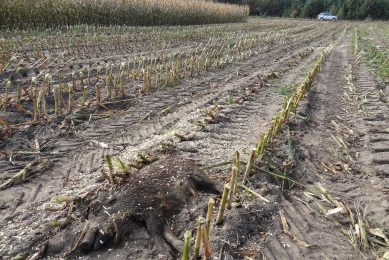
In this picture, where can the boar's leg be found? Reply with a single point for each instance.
(204, 183)
(155, 225)
(173, 240)
(88, 241)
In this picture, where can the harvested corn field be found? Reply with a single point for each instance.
(260, 140)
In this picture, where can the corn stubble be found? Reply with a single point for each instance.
(264, 143)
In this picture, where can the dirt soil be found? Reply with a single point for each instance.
(364, 185)
(178, 144)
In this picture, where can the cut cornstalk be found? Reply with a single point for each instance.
(98, 97)
(200, 223)
(30, 90)
(234, 177)
(108, 87)
(237, 165)
(83, 96)
(157, 80)
(35, 102)
(48, 81)
(70, 98)
(7, 87)
(73, 81)
(249, 166)
(44, 107)
(19, 94)
(115, 87)
(259, 144)
(207, 246)
(264, 143)
(110, 169)
(98, 74)
(82, 78)
(88, 74)
(60, 95)
(121, 84)
(57, 101)
(110, 70)
(187, 242)
(42, 102)
(211, 203)
(223, 203)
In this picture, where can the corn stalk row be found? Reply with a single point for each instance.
(56, 44)
(373, 55)
(264, 143)
(140, 75)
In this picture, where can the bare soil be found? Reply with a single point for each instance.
(364, 185)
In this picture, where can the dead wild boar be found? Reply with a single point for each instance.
(152, 196)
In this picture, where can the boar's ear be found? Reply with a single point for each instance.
(204, 183)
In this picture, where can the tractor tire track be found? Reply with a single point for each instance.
(364, 186)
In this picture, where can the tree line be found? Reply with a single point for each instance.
(344, 9)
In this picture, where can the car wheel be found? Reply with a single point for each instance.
(321, 19)
(333, 19)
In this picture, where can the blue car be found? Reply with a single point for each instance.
(327, 17)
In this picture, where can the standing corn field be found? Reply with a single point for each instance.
(49, 13)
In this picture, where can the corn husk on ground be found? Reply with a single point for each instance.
(361, 233)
